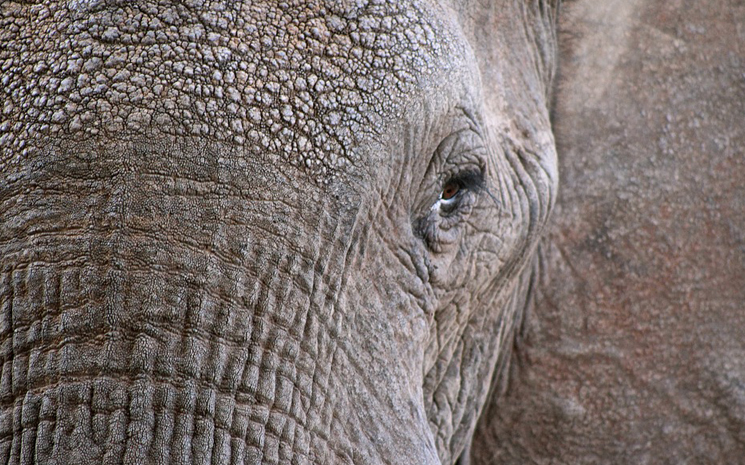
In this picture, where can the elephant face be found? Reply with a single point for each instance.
(264, 233)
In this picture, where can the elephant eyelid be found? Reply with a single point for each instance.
(471, 180)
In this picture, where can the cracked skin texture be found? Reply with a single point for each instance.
(302, 80)
(221, 233)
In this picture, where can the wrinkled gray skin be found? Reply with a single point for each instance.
(632, 350)
(222, 239)
(221, 231)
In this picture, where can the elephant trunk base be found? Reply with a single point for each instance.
(136, 372)
(106, 421)
(103, 366)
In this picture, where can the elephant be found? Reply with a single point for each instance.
(331, 231)
(265, 231)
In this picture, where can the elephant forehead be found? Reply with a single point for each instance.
(304, 82)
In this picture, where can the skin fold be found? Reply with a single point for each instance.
(259, 232)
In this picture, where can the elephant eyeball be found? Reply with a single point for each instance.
(450, 191)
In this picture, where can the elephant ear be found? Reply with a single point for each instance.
(633, 350)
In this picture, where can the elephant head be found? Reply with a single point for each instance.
(265, 232)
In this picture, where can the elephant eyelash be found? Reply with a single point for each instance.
(471, 179)
(455, 188)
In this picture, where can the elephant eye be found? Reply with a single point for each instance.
(450, 190)
(439, 225)
(466, 181)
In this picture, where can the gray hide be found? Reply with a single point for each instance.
(264, 232)
(633, 349)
